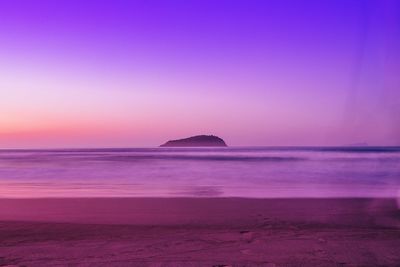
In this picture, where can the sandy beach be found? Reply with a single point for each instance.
(199, 232)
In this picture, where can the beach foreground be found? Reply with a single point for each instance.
(199, 232)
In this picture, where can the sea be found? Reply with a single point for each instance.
(248, 172)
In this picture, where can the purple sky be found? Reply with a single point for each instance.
(136, 73)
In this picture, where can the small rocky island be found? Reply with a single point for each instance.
(197, 141)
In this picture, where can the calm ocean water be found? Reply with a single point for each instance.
(260, 172)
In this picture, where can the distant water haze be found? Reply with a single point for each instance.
(255, 172)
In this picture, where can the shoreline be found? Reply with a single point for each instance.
(181, 210)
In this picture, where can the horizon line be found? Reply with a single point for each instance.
(229, 146)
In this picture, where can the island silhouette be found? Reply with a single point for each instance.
(197, 141)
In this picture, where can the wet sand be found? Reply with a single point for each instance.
(199, 232)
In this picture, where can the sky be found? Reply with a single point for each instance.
(137, 73)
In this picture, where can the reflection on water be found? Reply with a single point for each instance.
(202, 172)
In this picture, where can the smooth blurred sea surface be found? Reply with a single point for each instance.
(255, 172)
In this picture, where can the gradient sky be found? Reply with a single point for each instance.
(137, 73)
